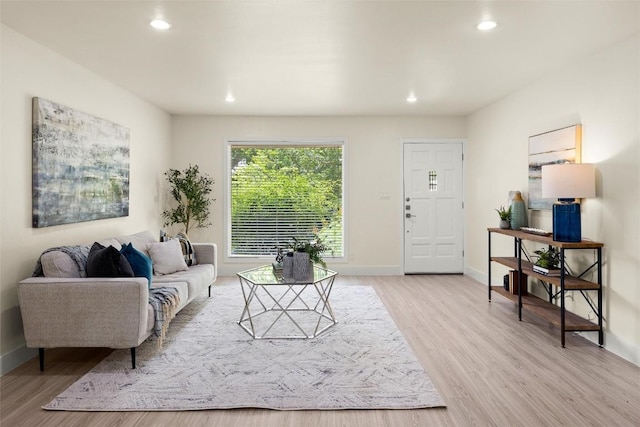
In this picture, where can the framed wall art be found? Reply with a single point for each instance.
(558, 146)
(80, 166)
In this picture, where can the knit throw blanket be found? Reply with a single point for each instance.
(164, 301)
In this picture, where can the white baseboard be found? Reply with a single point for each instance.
(615, 345)
(15, 358)
(475, 274)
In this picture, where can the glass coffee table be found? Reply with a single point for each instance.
(282, 308)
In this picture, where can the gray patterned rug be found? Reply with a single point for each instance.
(209, 362)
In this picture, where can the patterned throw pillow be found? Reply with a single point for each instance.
(107, 262)
(140, 263)
(187, 249)
(167, 257)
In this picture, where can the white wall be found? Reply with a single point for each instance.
(602, 93)
(29, 70)
(374, 167)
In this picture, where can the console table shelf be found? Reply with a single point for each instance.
(549, 312)
(570, 282)
(556, 315)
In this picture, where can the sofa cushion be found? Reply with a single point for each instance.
(198, 278)
(138, 240)
(109, 242)
(107, 262)
(59, 264)
(140, 263)
(167, 257)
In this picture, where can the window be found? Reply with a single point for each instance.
(279, 191)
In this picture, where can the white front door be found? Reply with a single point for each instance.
(433, 209)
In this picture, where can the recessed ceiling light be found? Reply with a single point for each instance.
(230, 98)
(487, 25)
(411, 98)
(160, 24)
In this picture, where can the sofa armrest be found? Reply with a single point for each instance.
(87, 312)
(207, 253)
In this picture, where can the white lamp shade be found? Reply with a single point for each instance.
(568, 181)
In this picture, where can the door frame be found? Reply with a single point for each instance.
(401, 210)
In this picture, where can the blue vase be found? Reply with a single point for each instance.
(518, 212)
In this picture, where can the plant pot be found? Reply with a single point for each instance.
(302, 266)
(287, 266)
(505, 224)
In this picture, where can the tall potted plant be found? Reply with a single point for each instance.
(190, 189)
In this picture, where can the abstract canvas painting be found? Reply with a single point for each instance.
(558, 146)
(80, 166)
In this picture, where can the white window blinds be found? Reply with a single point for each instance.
(279, 192)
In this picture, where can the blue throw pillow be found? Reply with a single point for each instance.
(140, 263)
(107, 262)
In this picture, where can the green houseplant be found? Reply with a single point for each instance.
(314, 248)
(190, 189)
(505, 217)
(548, 258)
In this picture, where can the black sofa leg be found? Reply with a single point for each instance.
(133, 357)
(209, 291)
(41, 358)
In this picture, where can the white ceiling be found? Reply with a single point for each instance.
(323, 57)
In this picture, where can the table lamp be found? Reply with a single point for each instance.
(567, 182)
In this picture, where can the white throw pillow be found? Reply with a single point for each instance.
(167, 257)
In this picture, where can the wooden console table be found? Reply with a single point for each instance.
(547, 310)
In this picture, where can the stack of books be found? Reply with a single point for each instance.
(546, 271)
(277, 269)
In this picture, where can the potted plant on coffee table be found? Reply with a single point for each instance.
(314, 248)
(298, 261)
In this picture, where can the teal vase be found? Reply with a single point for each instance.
(518, 212)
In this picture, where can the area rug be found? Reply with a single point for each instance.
(209, 362)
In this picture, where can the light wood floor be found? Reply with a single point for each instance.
(490, 369)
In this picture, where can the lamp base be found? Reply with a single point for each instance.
(566, 222)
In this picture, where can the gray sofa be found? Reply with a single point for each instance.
(76, 311)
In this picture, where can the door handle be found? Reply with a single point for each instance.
(408, 215)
